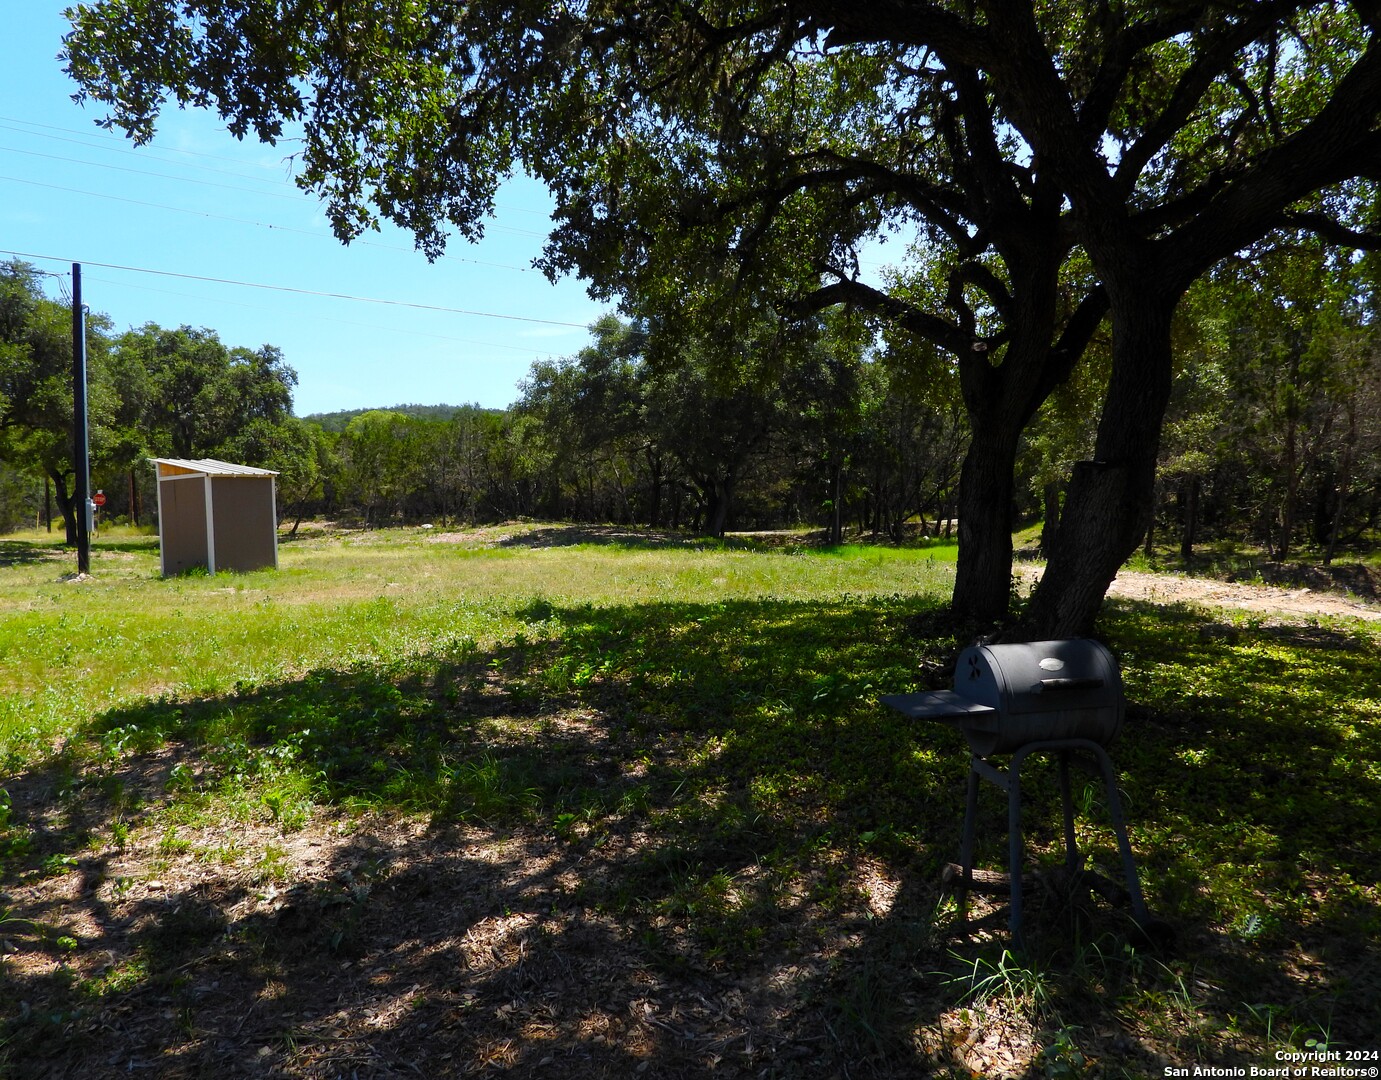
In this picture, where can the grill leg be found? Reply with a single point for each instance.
(1072, 860)
(970, 815)
(1010, 781)
(1119, 826)
(1014, 844)
(966, 841)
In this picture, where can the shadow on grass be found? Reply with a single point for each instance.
(626, 536)
(128, 544)
(29, 553)
(670, 838)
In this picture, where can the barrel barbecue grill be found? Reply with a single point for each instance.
(1061, 697)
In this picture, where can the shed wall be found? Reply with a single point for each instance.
(245, 522)
(182, 525)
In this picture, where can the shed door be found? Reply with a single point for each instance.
(182, 524)
(246, 522)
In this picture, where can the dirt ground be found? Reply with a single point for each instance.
(369, 946)
(1283, 603)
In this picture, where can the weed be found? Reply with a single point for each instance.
(1025, 990)
(1061, 1058)
(273, 866)
(14, 841)
(489, 790)
(59, 864)
(170, 843)
(118, 979)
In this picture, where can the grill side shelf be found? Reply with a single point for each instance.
(944, 705)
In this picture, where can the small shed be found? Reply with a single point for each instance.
(215, 514)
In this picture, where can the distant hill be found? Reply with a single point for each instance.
(336, 421)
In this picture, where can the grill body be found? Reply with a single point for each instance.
(1060, 697)
(1006, 696)
(1037, 691)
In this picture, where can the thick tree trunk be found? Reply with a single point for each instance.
(720, 495)
(66, 507)
(983, 577)
(1110, 500)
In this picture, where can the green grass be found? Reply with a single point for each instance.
(69, 648)
(719, 702)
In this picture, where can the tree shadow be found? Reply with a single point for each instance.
(140, 544)
(28, 553)
(659, 840)
(629, 536)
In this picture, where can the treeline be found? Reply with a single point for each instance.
(1274, 431)
(1273, 437)
(151, 392)
(770, 431)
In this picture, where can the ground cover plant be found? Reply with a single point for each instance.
(596, 802)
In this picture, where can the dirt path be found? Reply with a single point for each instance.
(1285, 603)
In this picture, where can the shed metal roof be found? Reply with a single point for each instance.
(210, 466)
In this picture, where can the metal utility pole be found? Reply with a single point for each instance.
(81, 448)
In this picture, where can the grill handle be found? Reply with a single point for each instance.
(1072, 684)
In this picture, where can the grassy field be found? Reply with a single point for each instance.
(585, 803)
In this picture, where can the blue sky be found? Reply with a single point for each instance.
(195, 202)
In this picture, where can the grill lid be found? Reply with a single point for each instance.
(1039, 676)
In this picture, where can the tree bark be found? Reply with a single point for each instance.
(1287, 512)
(983, 576)
(1110, 500)
(66, 507)
(837, 502)
(654, 470)
(720, 494)
(1344, 476)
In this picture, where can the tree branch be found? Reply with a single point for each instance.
(1192, 85)
(901, 22)
(921, 323)
(1339, 143)
(1330, 229)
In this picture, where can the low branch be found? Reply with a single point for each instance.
(1074, 339)
(932, 328)
(1330, 229)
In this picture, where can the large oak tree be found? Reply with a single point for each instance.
(1044, 166)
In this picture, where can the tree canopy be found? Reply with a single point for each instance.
(150, 391)
(1040, 167)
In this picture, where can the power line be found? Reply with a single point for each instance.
(297, 291)
(105, 137)
(144, 154)
(322, 318)
(250, 221)
(296, 196)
